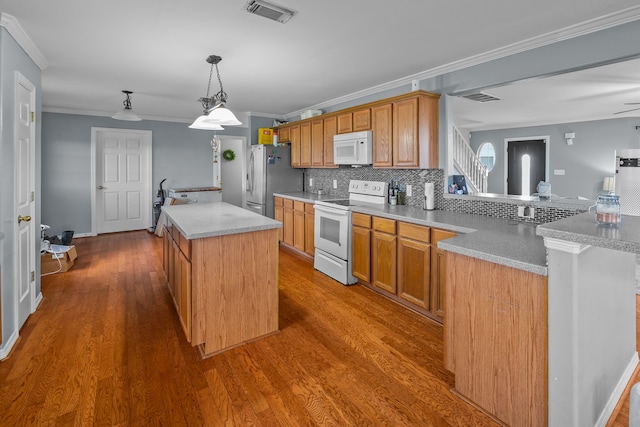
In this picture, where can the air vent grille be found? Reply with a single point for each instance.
(481, 97)
(269, 10)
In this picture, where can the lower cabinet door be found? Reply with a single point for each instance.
(384, 261)
(414, 260)
(361, 253)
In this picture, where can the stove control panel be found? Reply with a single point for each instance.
(370, 188)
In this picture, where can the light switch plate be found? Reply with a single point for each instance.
(409, 190)
(335, 183)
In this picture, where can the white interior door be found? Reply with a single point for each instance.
(121, 180)
(24, 153)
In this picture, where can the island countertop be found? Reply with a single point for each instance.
(199, 220)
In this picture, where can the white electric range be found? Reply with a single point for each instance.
(332, 231)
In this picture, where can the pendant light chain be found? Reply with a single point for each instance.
(222, 96)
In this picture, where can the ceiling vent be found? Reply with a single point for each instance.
(269, 10)
(481, 97)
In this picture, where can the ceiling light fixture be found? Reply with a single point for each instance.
(215, 114)
(126, 113)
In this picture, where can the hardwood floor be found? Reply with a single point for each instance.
(106, 348)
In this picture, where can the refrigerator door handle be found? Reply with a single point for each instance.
(251, 173)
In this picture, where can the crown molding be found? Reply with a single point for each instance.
(587, 27)
(20, 36)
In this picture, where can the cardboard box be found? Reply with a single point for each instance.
(265, 136)
(49, 262)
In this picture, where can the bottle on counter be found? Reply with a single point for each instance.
(393, 192)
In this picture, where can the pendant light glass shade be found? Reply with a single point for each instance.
(127, 113)
(222, 116)
(202, 123)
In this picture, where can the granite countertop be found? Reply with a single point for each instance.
(584, 230)
(506, 242)
(201, 220)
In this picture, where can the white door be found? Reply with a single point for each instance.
(24, 153)
(121, 180)
(233, 172)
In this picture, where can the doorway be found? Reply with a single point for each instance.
(526, 164)
(121, 180)
(24, 190)
(233, 173)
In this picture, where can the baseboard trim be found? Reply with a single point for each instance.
(8, 346)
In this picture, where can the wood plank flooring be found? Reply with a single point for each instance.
(106, 348)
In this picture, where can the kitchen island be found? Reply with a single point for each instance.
(221, 263)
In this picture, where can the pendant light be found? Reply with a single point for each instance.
(127, 113)
(215, 113)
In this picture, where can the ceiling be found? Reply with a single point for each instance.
(597, 93)
(330, 49)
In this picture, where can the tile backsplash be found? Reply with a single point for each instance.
(323, 179)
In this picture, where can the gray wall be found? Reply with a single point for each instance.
(181, 155)
(12, 59)
(586, 162)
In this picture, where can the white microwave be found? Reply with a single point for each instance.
(353, 148)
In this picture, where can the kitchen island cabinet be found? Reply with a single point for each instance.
(222, 270)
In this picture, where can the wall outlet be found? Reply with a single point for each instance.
(310, 182)
(409, 190)
(526, 212)
(335, 183)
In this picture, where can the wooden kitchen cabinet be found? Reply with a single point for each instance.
(330, 130)
(305, 144)
(405, 133)
(294, 132)
(362, 120)
(177, 267)
(438, 271)
(384, 254)
(361, 246)
(414, 263)
(298, 225)
(381, 126)
(278, 213)
(317, 143)
(287, 222)
(345, 123)
(309, 224)
(284, 134)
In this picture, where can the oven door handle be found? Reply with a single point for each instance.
(330, 210)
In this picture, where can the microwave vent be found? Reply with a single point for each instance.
(481, 97)
(269, 10)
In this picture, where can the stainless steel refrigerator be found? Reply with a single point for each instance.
(269, 170)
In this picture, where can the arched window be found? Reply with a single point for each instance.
(487, 155)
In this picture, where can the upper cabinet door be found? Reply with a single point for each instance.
(330, 129)
(317, 143)
(305, 144)
(294, 134)
(381, 125)
(345, 123)
(362, 120)
(406, 141)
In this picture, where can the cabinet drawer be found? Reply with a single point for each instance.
(385, 225)
(288, 203)
(413, 231)
(361, 220)
(437, 235)
(308, 208)
(277, 201)
(298, 206)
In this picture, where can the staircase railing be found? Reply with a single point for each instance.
(468, 163)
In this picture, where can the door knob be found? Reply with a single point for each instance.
(25, 218)
(100, 187)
